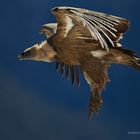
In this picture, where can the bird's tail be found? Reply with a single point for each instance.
(126, 57)
(135, 63)
(132, 59)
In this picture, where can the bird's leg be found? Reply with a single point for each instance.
(95, 101)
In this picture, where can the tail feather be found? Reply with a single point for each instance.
(132, 59)
(136, 63)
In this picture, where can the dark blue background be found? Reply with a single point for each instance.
(37, 104)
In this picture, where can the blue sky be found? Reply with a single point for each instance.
(37, 103)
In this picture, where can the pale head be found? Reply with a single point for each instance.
(39, 52)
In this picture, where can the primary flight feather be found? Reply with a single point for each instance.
(87, 40)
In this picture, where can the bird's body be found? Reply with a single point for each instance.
(85, 39)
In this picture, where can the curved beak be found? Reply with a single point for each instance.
(19, 57)
(41, 30)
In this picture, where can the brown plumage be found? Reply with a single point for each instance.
(87, 40)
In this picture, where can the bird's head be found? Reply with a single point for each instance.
(38, 52)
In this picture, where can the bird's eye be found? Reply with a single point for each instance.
(28, 53)
(22, 54)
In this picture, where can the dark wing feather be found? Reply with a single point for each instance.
(77, 80)
(75, 75)
(57, 66)
(72, 74)
(77, 23)
(61, 68)
(69, 71)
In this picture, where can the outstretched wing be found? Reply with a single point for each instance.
(70, 71)
(95, 73)
(76, 24)
(48, 29)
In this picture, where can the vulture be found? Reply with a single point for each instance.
(84, 40)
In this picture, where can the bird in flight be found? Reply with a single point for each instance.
(86, 40)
